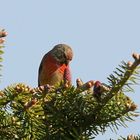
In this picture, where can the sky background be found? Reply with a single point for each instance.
(102, 33)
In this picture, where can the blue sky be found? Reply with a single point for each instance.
(102, 33)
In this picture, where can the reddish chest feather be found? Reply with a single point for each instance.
(51, 65)
(67, 74)
(52, 72)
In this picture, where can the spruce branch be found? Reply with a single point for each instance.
(127, 72)
(68, 112)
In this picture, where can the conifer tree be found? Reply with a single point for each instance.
(69, 112)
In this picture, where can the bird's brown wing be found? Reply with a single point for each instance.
(41, 66)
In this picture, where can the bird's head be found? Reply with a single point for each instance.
(62, 53)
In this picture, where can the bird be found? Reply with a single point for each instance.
(54, 67)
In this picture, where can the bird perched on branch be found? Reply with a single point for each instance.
(54, 67)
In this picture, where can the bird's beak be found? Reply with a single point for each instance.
(67, 62)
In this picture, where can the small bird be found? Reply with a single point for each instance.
(54, 67)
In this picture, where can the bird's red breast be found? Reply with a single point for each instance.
(51, 71)
(51, 65)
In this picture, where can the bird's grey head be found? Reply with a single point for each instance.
(62, 53)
